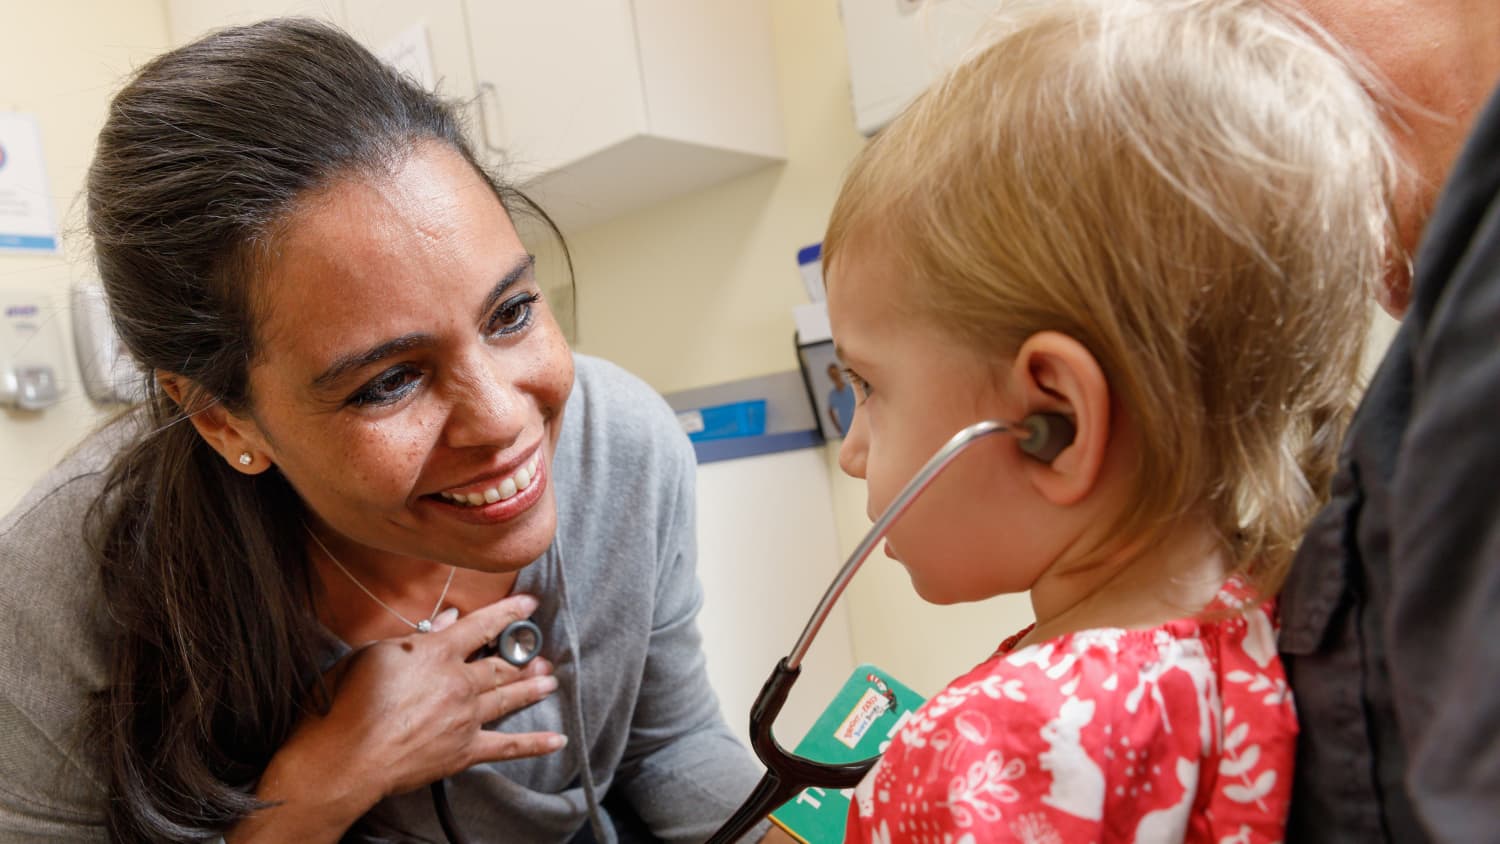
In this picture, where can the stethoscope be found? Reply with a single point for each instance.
(1043, 436)
(518, 644)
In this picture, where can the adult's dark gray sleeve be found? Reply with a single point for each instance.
(1444, 615)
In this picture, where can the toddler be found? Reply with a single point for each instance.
(1161, 220)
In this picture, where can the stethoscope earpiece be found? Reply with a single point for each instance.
(1047, 434)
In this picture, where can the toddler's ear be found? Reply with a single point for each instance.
(1057, 374)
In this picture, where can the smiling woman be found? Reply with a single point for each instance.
(382, 403)
(367, 448)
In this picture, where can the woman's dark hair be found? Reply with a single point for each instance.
(205, 153)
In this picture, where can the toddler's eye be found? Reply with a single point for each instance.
(860, 385)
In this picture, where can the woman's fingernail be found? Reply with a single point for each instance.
(445, 618)
(528, 603)
(557, 741)
(547, 684)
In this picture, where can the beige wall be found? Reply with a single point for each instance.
(61, 61)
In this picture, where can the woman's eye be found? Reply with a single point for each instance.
(387, 387)
(513, 314)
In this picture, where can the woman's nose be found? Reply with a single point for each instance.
(488, 408)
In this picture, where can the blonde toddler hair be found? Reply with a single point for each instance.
(1197, 191)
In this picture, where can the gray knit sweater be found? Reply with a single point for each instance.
(619, 599)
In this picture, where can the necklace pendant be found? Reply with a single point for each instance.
(424, 626)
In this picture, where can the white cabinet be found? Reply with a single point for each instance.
(596, 107)
(899, 47)
(604, 106)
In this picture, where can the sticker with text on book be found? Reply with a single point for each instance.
(858, 724)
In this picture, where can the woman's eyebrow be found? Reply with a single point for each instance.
(514, 274)
(354, 361)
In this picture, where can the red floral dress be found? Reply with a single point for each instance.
(1184, 732)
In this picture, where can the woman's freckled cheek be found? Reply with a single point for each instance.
(370, 460)
(394, 458)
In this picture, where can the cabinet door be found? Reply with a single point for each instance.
(709, 72)
(565, 76)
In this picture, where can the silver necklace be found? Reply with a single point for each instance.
(423, 626)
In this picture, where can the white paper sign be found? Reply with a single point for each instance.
(26, 222)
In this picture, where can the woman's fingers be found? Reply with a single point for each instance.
(444, 619)
(491, 672)
(492, 746)
(503, 698)
(483, 626)
(444, 700)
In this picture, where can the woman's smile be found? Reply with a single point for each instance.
(497, 498)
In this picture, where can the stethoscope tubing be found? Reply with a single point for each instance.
(898, 506)
(786, 773)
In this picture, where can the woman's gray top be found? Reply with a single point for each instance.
(619, 593)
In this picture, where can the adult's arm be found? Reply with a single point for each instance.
(1444, 616)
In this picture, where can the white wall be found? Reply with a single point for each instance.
(61, 62)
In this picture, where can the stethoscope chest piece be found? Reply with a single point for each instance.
(519, 642)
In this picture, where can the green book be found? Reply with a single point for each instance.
(858, 724)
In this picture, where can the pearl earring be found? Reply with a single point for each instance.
(246, 459)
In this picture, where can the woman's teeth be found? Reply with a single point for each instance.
(507, 488)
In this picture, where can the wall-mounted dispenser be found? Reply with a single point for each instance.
(110, 375)
(31, 351)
